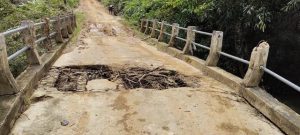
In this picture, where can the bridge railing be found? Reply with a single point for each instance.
(62, 27)
(256, 64)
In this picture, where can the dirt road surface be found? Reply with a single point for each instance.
(212, 108)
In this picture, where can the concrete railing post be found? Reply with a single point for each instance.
(143, 22)
(8, 84)
(69, 24)
(259, 57)
(75, 20)
(147, 26)
(64, 25)
(58, 27)
(215, 48)
(29, 40)
(162, 31)
(190, 37)
(154, 27)
(46, 33)
(175, 32)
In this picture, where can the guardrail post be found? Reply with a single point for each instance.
(162, 31)
(64, 30)
(259, 57)
(154, 27)
(215, 48)
(57, 26)
(8, 84)
(29, 39)
(142, 25)
(190, 37)
(175, 32)
(73, 20)
(46, 33)
(69, 24)
(147, 26)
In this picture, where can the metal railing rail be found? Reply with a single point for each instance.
(268, 71)
(280, 78)
(166, 33)
(182, 39)
(182, 28)
(202, 46)
(12, 31)
(202, 32)
(18, 53)
(234, 58)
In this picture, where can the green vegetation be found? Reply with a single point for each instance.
(11, 15)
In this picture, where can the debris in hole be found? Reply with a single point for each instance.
(77, 78)
(157, 78)
(64, 123)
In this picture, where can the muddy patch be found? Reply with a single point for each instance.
(76, 78)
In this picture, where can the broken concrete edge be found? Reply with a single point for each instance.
(27, 81)
(281, 115)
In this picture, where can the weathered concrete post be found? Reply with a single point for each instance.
(8, 84)
(29, 40)
(147, 26)
(259, 57)
(75, 20)
(69, 24)
(162, 31)
(175, 32)
(142, 25)
(46, 33)
(215, 48)
(154, 27)
(190, 37)
(58, 27)
(64, 30)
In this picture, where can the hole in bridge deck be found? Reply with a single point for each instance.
(75, 78)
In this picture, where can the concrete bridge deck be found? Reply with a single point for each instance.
(210, 108)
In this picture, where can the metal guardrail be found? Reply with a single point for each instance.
(234, 58)
(270, 72)
(168, 24)
(280, 78)
(12, 31)
(182, 28)
(18, 53)
(202, 46)
(181, 39)
(39, 24)
(203, 33)
(20, 29)
(167, 33)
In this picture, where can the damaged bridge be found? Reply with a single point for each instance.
(110, 79)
